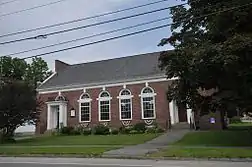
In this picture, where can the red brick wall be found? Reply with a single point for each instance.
(162, 105)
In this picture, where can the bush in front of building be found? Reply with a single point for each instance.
(101, 130)
(140, 127)
(67, 130)
(114, 131)
(235, 120)
(87, 131)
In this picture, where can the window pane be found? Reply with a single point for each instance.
(105, 94)
(125, 92)
(85, 96)
(148, 107)
(125, 108)
(104, 110)
(147, 90)
(85, 111)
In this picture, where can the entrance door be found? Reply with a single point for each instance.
(182, 113)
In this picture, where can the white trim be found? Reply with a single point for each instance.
(90, 111)
(100, 85)
(143, 95)
(85, 100)
(48, 78)
(54, 103)
(120, 97)
(99, 105)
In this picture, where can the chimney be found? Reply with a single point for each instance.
(59, 65)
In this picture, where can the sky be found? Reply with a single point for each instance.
(74, 9)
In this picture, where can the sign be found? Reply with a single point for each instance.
(72, 113)
(212, 120)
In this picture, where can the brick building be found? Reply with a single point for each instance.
(118, 92)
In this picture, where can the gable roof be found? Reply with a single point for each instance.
(122, 69)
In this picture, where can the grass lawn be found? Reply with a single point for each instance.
(87, 140)
(211, 144)
(240, 126)
(217, 138)
(205, 153)
(81, 145)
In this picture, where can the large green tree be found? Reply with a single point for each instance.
(211, 51)
(18, 103)
(18, 106)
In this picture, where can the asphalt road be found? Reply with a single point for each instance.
(79, 162)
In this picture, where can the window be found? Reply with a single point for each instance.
(104, 106)
(85, 108)
(125, 105)
(148, 103)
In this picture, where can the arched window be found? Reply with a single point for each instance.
(125, 104)
(104, 106)
(60, 98)
(85, 108)
(148, 103)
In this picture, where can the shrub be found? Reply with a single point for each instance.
(150, 130)
(101, 130)
(134, 132)
(125, 130)
(87, 131)
(235, 119)
(67, 130)
(159, 130)
(140, 127)
(114, 131)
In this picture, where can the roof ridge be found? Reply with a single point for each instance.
(116, 58)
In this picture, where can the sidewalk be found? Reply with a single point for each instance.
(148, 147)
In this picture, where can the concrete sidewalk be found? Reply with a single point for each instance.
(148, 147)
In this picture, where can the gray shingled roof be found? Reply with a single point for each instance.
(107, 71)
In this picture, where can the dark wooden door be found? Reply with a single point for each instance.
(182, 113)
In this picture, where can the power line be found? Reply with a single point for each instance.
(7, 2)
(32, 8)
(83, 27)
(136, 32)
(91, 36)
(84, 18)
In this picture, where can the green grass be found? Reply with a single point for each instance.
(52, 151)
(240, 126)
(217, 138)
(72, 145)
(205, 153)
(87, 140)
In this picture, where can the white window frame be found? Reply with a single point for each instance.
(120, 97)
(143, 95)
(86, 100)
(99, 105)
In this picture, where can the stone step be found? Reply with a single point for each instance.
(181, 125)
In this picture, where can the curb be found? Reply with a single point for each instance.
(131, 157)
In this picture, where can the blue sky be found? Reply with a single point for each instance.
(73, 9)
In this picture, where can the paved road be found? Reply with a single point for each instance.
(79, 162)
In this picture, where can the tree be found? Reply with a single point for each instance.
(37, 71)
(211, 52)
(18, 103)
(18, 69)
(18, 106)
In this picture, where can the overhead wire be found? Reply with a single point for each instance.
(7, 2)
(136, 32)
(42, 36)
(85, 18)
(91, 36)
(32, 8)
